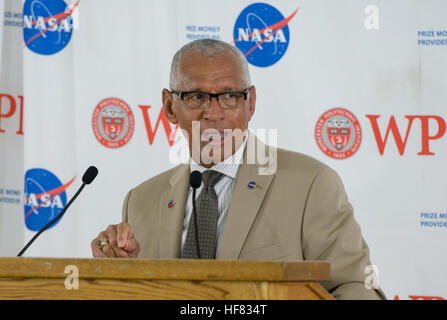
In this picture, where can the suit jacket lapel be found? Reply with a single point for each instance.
(244, 206)
(171, 218)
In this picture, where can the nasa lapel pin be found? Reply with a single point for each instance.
(253, 185)
(171, 203)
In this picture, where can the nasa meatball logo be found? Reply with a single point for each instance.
(262, 33)
(113, 122)
(338, 133)
(45, 197)
(47, 25)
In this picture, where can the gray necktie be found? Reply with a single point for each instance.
(207, 216)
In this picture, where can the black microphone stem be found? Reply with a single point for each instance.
(52, 221)
(195, 222)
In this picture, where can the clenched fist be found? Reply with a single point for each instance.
(121, 242)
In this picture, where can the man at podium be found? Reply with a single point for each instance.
(290, 207)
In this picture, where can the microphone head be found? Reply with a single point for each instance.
(195, 179)
(90, 175)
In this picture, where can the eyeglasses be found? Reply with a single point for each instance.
(199, 100)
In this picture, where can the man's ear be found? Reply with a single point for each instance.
(168, 102)
(251, 102)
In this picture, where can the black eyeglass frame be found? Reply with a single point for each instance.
(181, 94)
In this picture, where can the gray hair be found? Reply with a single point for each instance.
(210, 48)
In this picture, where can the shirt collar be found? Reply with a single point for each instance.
(228, 167)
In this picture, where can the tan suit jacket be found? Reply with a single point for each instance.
(299, 213)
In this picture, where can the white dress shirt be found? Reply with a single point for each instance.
(224, 189)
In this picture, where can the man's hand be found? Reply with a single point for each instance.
(121, 243)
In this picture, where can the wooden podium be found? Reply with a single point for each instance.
(46, 278)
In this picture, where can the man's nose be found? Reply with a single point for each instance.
(214, 110)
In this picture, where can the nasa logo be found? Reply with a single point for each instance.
(262, 33)
(45, 197)
(113, 122)
(338, 133)
(47, 25)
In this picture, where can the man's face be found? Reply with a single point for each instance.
(222, 73)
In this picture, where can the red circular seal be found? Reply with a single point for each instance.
(113, 122)
(338, 133)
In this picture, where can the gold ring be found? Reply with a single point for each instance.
(102, 242)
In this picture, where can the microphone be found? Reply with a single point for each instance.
(195, 180)
(88, 177)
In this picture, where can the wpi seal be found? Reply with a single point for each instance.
(338, 133)
(113, 122)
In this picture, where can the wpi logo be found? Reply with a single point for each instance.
(10, 106)
(45, 197)
(338, 133)
(262, 34)
(170, 133)
(47, 25)
(432, 127)
(113, 122)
